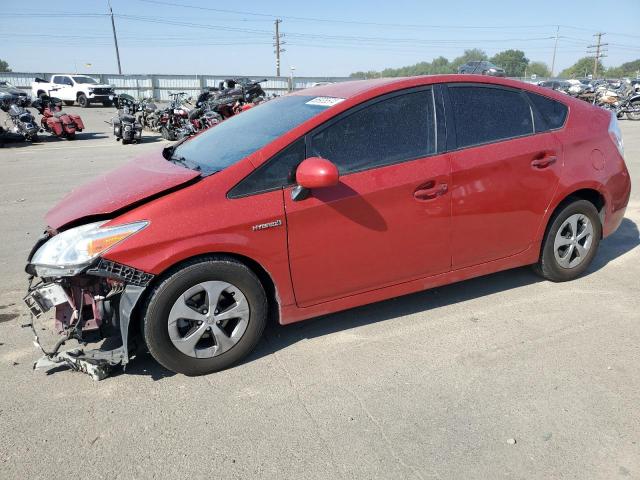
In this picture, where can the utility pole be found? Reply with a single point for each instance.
(598, 53)
(278, 45)
(115, 38)
(555, 49)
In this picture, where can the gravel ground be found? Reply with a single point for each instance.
(504, 376)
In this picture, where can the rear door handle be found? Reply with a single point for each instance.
(544, 162)
(430, 190)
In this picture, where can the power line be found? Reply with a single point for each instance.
(351, 22)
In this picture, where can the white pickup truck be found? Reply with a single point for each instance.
(74, 88)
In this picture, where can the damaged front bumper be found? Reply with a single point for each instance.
(95, 305)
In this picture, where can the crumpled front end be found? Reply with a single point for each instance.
(93, 304)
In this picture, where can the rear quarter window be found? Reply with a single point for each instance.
(550, 114)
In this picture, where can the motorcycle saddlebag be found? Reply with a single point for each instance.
(55, 125)
(78, 121)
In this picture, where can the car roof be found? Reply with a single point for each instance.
(355, 88)
(71, 75)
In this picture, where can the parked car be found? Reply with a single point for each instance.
(323, 200)
(559, 85)
(481, 68)
(74, 88)
(7, 89)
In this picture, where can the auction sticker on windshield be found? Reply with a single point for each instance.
(325, 101)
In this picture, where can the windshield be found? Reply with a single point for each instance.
(85, 80)
(245, 133)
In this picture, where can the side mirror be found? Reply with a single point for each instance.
(314, 172)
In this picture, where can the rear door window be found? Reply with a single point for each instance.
(488, 114)
(392, 130)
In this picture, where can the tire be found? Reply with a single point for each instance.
(164, 330)
(83, 101)
(634, 116)
(71, 136)
(69, 103)
(168, 134)
(561, 257)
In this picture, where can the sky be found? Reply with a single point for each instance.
(321, 38)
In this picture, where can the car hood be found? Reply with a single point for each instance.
(12, 91)
(135, 182)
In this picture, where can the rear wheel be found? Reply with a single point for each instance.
(83, 101)
(205, 317)
(634, 115)
(571, 242)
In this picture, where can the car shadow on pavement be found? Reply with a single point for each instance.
(145, 365)
(278, 337)
(625, 239)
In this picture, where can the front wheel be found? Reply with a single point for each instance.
(635, 115)
(205, 317)
(571, 242)
(83, 101)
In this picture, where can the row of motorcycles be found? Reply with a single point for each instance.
(621, 97)
(183, 116)
(24, 126)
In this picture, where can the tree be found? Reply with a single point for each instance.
(513, 61)
(581, 68)
(365, 75)
(629, 69)
(4, 66)
(472, 55)
(540, 69)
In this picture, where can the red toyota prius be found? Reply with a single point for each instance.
(320, 201)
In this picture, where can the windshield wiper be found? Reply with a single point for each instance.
(186, 163)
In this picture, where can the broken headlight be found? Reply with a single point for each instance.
(69, 252)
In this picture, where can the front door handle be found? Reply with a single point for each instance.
(430, 190)
(544, 162)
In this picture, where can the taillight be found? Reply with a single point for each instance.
(616, 134)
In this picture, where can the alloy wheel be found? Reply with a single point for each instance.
(208, 319)
(573, 241)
